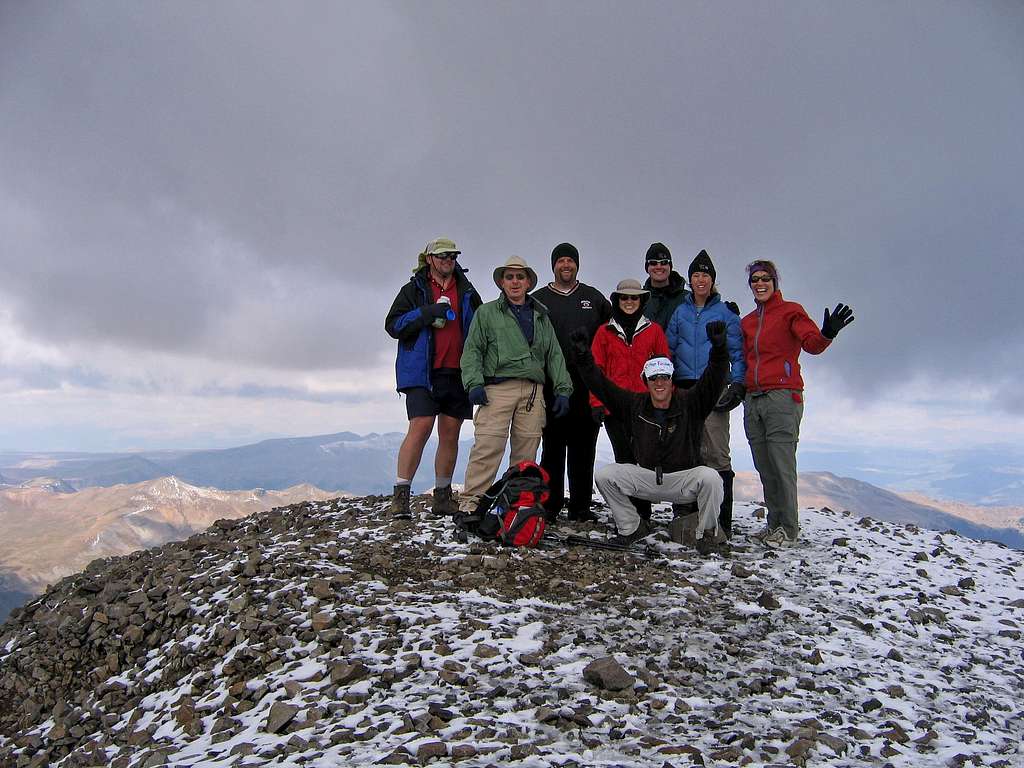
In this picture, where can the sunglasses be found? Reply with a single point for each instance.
(513, 276)
(659, 377)
(760, 279)
(627, 297)
(659, 262)
(445, 256)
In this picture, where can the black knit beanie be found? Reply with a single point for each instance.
(658, 251)
(702, 263)
(565, 249)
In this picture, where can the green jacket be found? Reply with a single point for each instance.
(496, 348)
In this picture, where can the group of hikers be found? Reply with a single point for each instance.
(659, 365)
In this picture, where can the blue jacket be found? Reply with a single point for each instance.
(405, 322)
(688, 339)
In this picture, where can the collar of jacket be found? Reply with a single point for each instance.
(674, 410)
(503, 304)
(714, 298)
(422, 278)
(773, 300)
(676, 284)
(619, 331)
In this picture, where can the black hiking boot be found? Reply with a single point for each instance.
(582, 516)
(624, 540)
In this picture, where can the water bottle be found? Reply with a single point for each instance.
(439, 322)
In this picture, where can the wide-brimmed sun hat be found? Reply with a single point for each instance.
(629, 287)
(515, 262)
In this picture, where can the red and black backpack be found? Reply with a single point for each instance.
(512, 510)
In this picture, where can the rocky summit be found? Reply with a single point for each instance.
(324, 634)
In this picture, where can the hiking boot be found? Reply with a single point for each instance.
(444, 502)
(400, 503)
(683, 529)
(712, 541)
(626, 539)
(761, 535)
(778, 539)
(583, 516)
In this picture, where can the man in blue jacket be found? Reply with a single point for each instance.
(430, 318)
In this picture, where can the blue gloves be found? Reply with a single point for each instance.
(560, 407)
(478, 395)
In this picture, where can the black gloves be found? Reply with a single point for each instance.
(438, 311)
(716, 334)
(560, 407)
(731, 397)
(733, 307)
(597, 413)
(478, 395)
(833, 323)
(579, 346)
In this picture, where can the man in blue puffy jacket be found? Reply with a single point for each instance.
(430, 318)
(688, 342)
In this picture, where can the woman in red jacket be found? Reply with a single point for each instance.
(620, 348)
(773, 335)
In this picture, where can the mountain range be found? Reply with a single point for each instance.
(49, 531)
(344, 461)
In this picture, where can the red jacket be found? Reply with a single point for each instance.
(622, 363)
(773, 335)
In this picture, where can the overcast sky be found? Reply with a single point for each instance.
(206, 209)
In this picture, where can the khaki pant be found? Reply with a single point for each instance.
(515, 409)
(618, 482)
(714, 442)
(772, 423)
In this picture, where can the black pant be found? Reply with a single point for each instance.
(622, 447)
(575, 436)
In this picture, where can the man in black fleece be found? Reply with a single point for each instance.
(666, 425)
(571, 305)
(667, 287)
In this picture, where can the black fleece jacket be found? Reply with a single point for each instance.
(675, 444)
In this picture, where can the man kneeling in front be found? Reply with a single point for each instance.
(666, 426)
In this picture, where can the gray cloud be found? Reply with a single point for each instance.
(252, 182)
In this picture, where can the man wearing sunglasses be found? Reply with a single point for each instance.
(666, 424)
(511, 351)
(430, 318)
(667, 287)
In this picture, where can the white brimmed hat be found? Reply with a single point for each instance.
(630, 287)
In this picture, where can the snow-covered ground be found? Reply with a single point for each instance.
(337, 637)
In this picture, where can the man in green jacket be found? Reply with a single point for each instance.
(509, 352)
